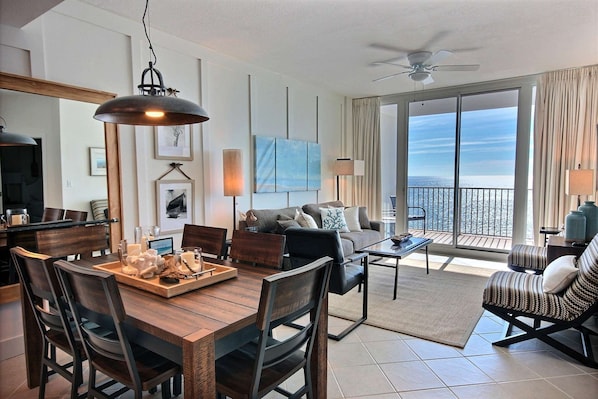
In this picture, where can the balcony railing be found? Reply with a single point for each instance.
(481, 212)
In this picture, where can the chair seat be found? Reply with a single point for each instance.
(522, 292)
(234, 371)
(527, 258)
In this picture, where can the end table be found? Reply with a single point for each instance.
(557, 247)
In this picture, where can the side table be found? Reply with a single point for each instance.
(557, 247)
(549, 231)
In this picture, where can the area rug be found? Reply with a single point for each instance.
(442, 306)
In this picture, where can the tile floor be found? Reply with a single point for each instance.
(380, 364)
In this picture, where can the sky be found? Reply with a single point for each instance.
(488, 142)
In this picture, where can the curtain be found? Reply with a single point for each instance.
(366, 145)
(565, 135)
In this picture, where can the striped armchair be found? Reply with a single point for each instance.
(511, 295)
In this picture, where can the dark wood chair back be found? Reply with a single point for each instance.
(40, 283)
(75, 216)
(211, 240)
(51, 214)
(93, 296)
(261, 366)
(78, 240)
(259, 249)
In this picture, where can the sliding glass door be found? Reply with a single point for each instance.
(461, 166)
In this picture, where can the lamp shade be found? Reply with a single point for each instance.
(14, 140)
(349, 167)
(150, 110)
(232, 172)
(579, 182)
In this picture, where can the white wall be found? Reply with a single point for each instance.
(80, 45)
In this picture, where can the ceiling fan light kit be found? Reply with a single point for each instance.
(422, 64)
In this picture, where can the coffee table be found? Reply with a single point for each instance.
(387, 249)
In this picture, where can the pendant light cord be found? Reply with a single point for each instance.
(146, 32)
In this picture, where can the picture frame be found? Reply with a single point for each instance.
(174, 199)
(174, 142)
(97, 161)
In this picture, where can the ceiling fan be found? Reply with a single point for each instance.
(422, 64)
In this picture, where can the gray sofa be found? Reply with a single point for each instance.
(278, 220)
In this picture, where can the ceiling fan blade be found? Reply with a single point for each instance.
(438, 56)
(388, 62)
(387, 47)
(389, 76)
(471, 67)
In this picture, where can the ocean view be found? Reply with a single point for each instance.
(498, 181)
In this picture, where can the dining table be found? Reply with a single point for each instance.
(192, 329)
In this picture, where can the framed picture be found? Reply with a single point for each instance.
(174, 142)
(175, 204)
(97, 161)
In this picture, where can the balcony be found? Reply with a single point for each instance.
(484, 216)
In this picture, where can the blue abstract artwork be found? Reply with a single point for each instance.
(291, 165)
(265, 164)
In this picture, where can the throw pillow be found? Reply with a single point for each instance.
(283, 225)
(559, 274)
(352, 218)
(364, 220)
(305, 220)
(251, 219)
(334, 219)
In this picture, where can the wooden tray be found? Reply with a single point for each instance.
(155, 286)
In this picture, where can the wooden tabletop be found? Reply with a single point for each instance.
(195, 328)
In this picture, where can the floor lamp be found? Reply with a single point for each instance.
(347, 167)
(579, 182)
(232, 173)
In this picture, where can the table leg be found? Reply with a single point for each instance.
(427, 263)
(199, 362)
(319, 356)
(396, 280)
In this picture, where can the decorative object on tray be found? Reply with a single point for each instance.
(400, 238)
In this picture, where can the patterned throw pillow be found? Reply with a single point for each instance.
(334, 219)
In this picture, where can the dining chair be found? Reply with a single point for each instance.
(211, 240)
(40, 284)
(263, 364)
(94, 300)
(258, 249)
(80, 241)
(75, 216)
(51, 214)
(414, 213)
(305, 245)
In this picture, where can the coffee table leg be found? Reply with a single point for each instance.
(427, 263)
(396, 279)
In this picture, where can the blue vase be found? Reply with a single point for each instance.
(590, 211)
(575, 227)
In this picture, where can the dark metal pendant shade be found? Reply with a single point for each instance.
(133, 110)
(14, 140)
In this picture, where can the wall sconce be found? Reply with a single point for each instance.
(347, 167)
(580, 182)
(232, 174)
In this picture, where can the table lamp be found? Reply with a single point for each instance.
(579, 182)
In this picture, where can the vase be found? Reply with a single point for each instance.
(590, 211)
(575, 227)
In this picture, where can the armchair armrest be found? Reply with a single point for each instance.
(357, 256)
(376, 225)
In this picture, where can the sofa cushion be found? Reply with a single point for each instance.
(314, 209)
(362, 238)
(334, 219)
(265, 219)
(285, 224)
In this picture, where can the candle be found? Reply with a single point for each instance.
(133, 249)
(143, 243)
(16, 219)
(190, 258)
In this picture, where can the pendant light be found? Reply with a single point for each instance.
(13, 139)
(151, 107)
